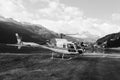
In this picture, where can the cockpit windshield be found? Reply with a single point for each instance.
(78, 47)
(71, 47)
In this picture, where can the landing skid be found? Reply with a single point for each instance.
(63, 57)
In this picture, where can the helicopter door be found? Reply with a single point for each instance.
(71, 48)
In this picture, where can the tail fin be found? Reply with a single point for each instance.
(19, 41)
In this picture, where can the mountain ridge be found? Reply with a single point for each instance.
(28, 32)
(110, 40)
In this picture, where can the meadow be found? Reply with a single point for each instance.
(41, 67)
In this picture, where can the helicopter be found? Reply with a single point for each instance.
(58, 46)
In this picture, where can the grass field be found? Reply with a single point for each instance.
(41, 67)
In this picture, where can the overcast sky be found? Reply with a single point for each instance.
(99, 17)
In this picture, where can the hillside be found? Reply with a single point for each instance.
(111, 40)
(28, 32)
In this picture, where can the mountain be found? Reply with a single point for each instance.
(28, 32)
(110, 40)
(87, 36)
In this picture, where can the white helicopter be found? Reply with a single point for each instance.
(63, 46)
(21, 44)
(58, 46)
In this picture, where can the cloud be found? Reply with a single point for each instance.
(9, 8)
(116, 16)
(56, 16)
(56, 11)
